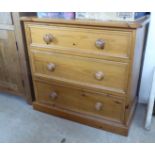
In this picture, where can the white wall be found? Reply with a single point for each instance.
(149, 63)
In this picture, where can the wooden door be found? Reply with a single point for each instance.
(14, 67)
(10, 78)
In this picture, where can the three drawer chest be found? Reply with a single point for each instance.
(86, 71)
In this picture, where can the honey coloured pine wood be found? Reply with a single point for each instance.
(92, 104)
(101, 74)
(114, 24)
(86, 71)
(96, 42)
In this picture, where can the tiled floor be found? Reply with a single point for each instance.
(20, 123)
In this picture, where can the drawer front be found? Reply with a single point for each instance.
(100, 74)
(99, 105)
(79, 40)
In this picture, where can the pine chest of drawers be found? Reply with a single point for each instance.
(86, 71)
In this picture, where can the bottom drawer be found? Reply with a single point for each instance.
(88, 103)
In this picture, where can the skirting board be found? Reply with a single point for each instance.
(101, 124)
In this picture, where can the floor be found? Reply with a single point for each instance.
(20, 123)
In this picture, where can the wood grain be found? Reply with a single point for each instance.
(82, 70)
(14, 67)
(80, 101)
(117, 44)
(114, 24)
(23, 58)
(88, 120)
(71, 75)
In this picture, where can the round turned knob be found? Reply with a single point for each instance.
(98, 106)
(53, 95)
(99, 75)
(48, 38)
(51, 67)
(100, 43)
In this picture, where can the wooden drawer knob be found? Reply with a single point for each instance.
(100, 43)
(48, 38)
(51, 66)
(99, 75)
(98, 106)
(53, 95)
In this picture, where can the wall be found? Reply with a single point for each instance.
(149, 63)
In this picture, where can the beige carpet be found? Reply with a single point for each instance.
(20, 123)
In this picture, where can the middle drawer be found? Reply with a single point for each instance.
(88, 72)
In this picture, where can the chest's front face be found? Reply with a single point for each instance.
(84, 73)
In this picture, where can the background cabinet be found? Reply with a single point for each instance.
(10, 77)
(14, 70)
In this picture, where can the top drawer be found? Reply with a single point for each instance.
(92, 42)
